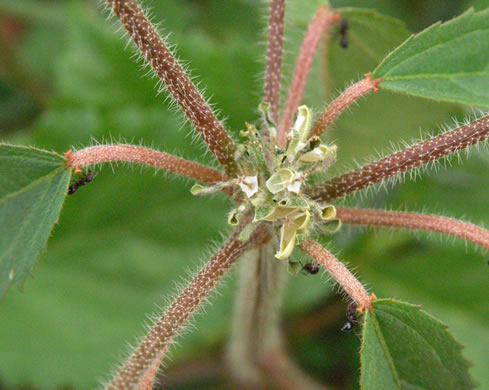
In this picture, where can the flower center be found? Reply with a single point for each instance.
(273, 180)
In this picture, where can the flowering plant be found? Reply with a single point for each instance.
(273, 173)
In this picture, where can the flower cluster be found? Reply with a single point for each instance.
(272, 181)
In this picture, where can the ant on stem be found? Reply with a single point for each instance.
(310, 268)
(351, 315)
(83, 180)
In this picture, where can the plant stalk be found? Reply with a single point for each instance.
(257, 354)
(396, 164)
(160, 337)
(141, 155)
(415, 221)
(174, 77)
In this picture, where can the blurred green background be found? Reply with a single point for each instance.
(123, 242)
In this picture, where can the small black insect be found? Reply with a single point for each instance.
(343, 33)
(310, 268)
(85, 179)
(351, 315)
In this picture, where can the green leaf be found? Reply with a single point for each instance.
(406, 348)
(371, 37)
(446, 62)
(33, 185)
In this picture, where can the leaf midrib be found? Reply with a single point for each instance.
(385, 349)
(33, 184)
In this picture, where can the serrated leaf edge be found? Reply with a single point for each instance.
(470, 12)
(443, 325)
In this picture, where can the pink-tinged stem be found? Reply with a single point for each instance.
(420, 154)
(176, 80)
(146, 156)
(160, 337)
(348, 97)
(148, 380)
(415, 221)
(340, 273)
(322, 21)
(273, 70)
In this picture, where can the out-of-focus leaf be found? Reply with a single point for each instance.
(416, 14)
(446, 62)
(376, 121)
(15, 108)
(406, 348)
(480, 4)
(33, 185)
(35, 11)
(370, 36)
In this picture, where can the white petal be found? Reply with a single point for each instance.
(249, 185)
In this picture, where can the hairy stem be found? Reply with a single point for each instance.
(321, 22)
(148, 380)
(415, 221)
(156, 343)
(347, 98)
(273, 70)
(340, 273)
(256, 353)
(256, 318)
(418, 155)
(141, 155)
(176, 80)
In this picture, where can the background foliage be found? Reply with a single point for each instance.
(122, 242)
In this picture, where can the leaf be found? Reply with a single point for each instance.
(446, 62)
(33, 185)
(359, 132)
(49, 13)
(406, 348)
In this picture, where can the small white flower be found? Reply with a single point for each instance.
(249, 185)
(295, 185)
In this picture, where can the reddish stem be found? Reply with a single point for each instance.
(146, 156)
(274, 56)
(420, 154)
(415, 221)
(321, 22)
(178, 83)
(348, 97)
(340, 273)
(148, 380)
(177, 316)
